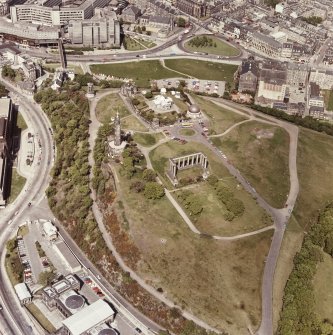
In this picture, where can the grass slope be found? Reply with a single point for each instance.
(141, 71)
(219, 282)
(220, 119)
(147, 140)
(203, 69)
(263, 161)
(315, 173)
(131, 122)
(108, 107)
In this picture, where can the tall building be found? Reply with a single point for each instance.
(196, 8)
(95, 32)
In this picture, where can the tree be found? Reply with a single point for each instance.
(3, 91)
(11, 245)
(128, 165)
(194, 206)
(7, 71)
(149, 95)
(135, 102)
(181, 22)
(153, 190)
(143, 28)
(149, 175)
(46, 277)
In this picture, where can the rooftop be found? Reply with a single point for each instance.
(89, 317)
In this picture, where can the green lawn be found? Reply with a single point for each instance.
(203, 69)
(147, 140)
(218, 282)
(328, 99)
(315, 164)
(41, 318)
(187, 132)
(17, 184)
(21, 122)
(222, 48)
(137, 44)
(108, 106)
(132, 123)
(160, 156)
(261, 153)
(140, 71)
(211, 220)
(76, 68)
(220, 119)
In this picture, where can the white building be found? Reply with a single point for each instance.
(55, 15)
(67, 256)
(23, 293)
(50, 231)
(88, 318)
(163, 102)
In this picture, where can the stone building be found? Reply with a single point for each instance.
(131, 14)
(248, 76)
(196, 8)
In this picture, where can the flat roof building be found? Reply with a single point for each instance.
(23, 293)
(88, 318)
(67, 256)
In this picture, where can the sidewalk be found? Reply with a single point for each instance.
(27, 149)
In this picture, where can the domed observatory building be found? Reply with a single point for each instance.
(194, 112)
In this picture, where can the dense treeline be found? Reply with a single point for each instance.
(298, 316)
(100, 177)
(202, 41)
(306, 122)
(314, 20)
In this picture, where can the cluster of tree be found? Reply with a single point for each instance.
(298, 316)
(110, 83)
(314, 20)
(306, 122)
(132, 156)
(190, 201)
(8, 72)
(148, 185)
(189, 180)
(235, 207)
(202, 41)
(181, 22)
(13, 260)
(84, 79)
(69, 193)
(100, 179)
(3, 91)
(141, 30)
(46, 277)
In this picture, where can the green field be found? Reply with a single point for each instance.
(76, 68)
(222, 48)
(261, 153)
(211, 221)
(17, 184)
(131, 122)
(220, 119)
(137, 44)
(147, 140)
(328, 99)
(315, 164)
(141, 71)
(187, 132)
(108, 107)
(218, 282)
(203, 70)
(21, 122)
(160, 156)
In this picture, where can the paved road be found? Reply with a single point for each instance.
(34, 187)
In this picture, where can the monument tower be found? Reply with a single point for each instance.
(117, 130)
